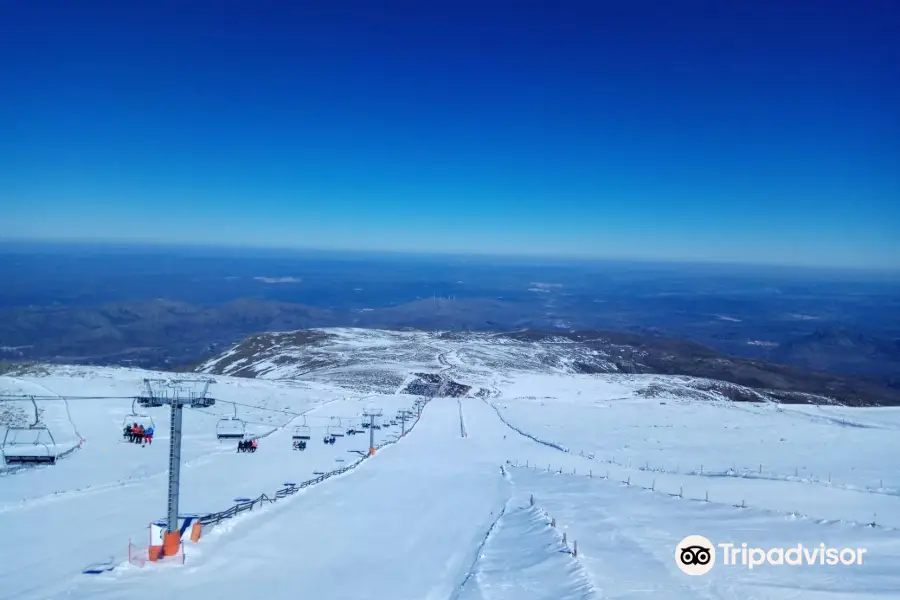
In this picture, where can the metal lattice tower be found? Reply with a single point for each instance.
(372, 413)
(404, 415)
(177, 393)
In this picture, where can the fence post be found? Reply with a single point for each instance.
(526, 464)
(681, 491)
(575, 548)
(706, 498)
(629, 480)
(653, 486)
(553, 522)
(532, 500)
(701, 469)
(591, 473)
(607, 474)
(565, 541)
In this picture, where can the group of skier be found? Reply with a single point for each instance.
(299, 444)
(138, 434)
(247, 446)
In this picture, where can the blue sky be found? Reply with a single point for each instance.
(726, 131)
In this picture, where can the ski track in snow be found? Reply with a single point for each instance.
(429, 517)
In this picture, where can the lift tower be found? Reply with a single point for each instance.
(372, 413)
(176, 393)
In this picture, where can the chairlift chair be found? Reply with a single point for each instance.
(135, 417)
(231, 428)
(301, 432)
(32, 450)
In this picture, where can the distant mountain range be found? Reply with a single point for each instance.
(174, 334)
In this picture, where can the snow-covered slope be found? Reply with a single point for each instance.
(626, 465)
(371, 360)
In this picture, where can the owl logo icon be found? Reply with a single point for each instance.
(695, 555)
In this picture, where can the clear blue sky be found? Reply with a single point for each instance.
(744, 130)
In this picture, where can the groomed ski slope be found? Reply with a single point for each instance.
(435, 517)
(82, 512)
(445, 512)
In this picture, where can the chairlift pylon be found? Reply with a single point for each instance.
(17, 452)
(231, 428)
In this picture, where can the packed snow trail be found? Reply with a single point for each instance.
(109, 514)
(404, 525)
(412, 523)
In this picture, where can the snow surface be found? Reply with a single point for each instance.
(446, 513)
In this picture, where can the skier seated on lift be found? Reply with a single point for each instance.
(253, 445)
(140, 435)
(148, 435)
(242, 446)
(126, 433)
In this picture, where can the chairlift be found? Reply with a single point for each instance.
(135, 417)
(231, 428)
(23, 445)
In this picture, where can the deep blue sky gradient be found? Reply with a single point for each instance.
(750, 131)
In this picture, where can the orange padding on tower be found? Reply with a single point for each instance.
(196, 529)
(171, 543)
(155, 553)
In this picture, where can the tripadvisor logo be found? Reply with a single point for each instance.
(696, 555)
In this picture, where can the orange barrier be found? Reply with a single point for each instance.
(196, 529)
(171, 543)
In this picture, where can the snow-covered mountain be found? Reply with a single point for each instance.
(525, 449)
(387, 361)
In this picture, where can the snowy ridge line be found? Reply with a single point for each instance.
(213, 519)
(523, 433)
(680, 495)
(744, 473)
(496, 558)
(471, 570)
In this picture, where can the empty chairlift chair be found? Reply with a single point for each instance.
(30, 444)
(301, 432)
(231, 428)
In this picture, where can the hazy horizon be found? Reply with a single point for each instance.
(124, 246)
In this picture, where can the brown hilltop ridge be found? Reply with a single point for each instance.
(340, 351)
